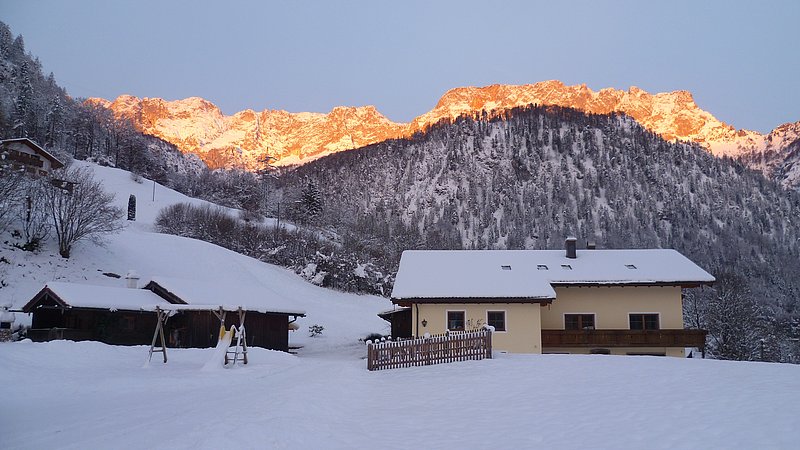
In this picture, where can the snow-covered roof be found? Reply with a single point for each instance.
(465, 274)
(230, 296)
(102, 297)
(199, 296)
(37, 148)
(530, 273)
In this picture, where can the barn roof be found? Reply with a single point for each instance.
(73, 295)
(529, 274)
(169, 294)
(196, 294)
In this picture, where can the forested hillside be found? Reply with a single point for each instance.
(535, 175)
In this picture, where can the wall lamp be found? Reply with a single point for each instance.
(424, 323)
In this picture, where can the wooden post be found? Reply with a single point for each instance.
(244, 336)
(489, 344)
(161, 319)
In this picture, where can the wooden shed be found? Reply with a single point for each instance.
(126, 316)
(400, 320)
(93, 313)
(267, 320)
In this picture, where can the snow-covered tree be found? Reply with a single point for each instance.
(310, 201)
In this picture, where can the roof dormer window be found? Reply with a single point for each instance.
(566, 267)
(630, 266)
(506, 267)
(541, 267)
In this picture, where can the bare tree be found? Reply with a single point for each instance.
(80, 208)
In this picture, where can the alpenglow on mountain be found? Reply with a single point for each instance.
(197, 126)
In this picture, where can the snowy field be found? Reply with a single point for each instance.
(90, 395)
(94, 396)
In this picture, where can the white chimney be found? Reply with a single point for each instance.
(571, 245)
(133, 279)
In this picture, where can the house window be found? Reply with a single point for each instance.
(579, 321)
(455, 320)
(497, 319)
(644, 321)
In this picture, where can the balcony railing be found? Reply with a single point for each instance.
(624, 338)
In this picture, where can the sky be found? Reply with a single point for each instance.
(739, 59)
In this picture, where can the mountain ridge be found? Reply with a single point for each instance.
(197, 126)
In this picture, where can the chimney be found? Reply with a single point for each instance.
(590, 245)
(133, 279)
(571, 245)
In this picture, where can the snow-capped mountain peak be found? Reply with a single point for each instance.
(197, 126)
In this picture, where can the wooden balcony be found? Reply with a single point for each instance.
(624, 338)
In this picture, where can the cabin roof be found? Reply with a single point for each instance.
(195, 293)
(56, 163)
(173, 295)
(73, 295)
(530, 274)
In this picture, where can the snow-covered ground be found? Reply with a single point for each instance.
(90, 395)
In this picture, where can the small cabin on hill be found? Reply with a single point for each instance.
(626, 302)
(127, 316)
(27, 154)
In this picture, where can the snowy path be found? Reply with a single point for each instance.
(89, 395)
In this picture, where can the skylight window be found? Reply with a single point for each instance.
(541, 267)
(505, 267)
(630, 266)
(566, 267)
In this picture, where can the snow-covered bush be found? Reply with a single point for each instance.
(315, 330)
(374, 337)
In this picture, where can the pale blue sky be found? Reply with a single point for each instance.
(741, 60)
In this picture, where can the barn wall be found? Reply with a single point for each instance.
(118, 328)
(200, 329)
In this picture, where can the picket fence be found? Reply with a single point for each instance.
(438, 349)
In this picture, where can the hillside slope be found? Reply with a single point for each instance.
(137, 247)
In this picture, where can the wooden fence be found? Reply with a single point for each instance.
(462, 346)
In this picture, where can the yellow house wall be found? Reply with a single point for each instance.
(611, 306)
(523, 329)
